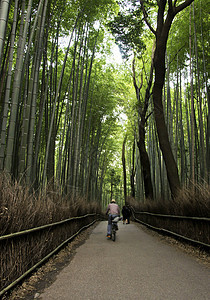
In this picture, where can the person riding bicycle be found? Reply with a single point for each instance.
(112, 211)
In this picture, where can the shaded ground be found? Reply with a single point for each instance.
(119, 250)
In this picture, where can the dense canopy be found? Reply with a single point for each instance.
(74, 118)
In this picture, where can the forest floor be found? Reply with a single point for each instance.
(33, 287)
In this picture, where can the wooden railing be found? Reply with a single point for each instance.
(22, 252)
(192, 229)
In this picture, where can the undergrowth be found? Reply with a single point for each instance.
(22, 209)
(193, 201)
(190, 202)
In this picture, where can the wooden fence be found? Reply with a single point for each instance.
(22, 252)
(192, 229)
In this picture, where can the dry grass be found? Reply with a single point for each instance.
(193, 201)
(190, 202)
(22, 209)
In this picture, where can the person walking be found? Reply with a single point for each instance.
(126, 214)
(112, 211)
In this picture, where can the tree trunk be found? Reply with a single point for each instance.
(172, 171)
(208, 106)
(192, 107)
(203, 171)
(133, 171)
(145, 163)
(54, 106)
(8, 87)
(183, 162)
(159, 66)
(15, 96)
(164, 21)
(4, 8)
(124, 170)
(144, 158)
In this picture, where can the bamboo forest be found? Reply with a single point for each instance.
(103, 99)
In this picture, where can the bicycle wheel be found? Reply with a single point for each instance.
(113, 235)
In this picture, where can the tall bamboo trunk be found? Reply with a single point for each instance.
(203, 171)
(208, 104)
(183, 162)
(132, 176)
(15, 96)
(8, 88)
(79, 128)
(4, 9)
(54, 108)
(124, 170)
(192, 106)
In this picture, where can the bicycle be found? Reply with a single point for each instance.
(115, 227)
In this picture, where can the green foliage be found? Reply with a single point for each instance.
(127, 28)
(178, 42)
(112, 108)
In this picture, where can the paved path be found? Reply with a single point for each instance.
(136, 266)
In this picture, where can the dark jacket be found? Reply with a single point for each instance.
(126, 212)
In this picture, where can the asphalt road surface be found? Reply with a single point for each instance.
(136, 266)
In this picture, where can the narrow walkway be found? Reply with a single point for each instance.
(136, 266)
